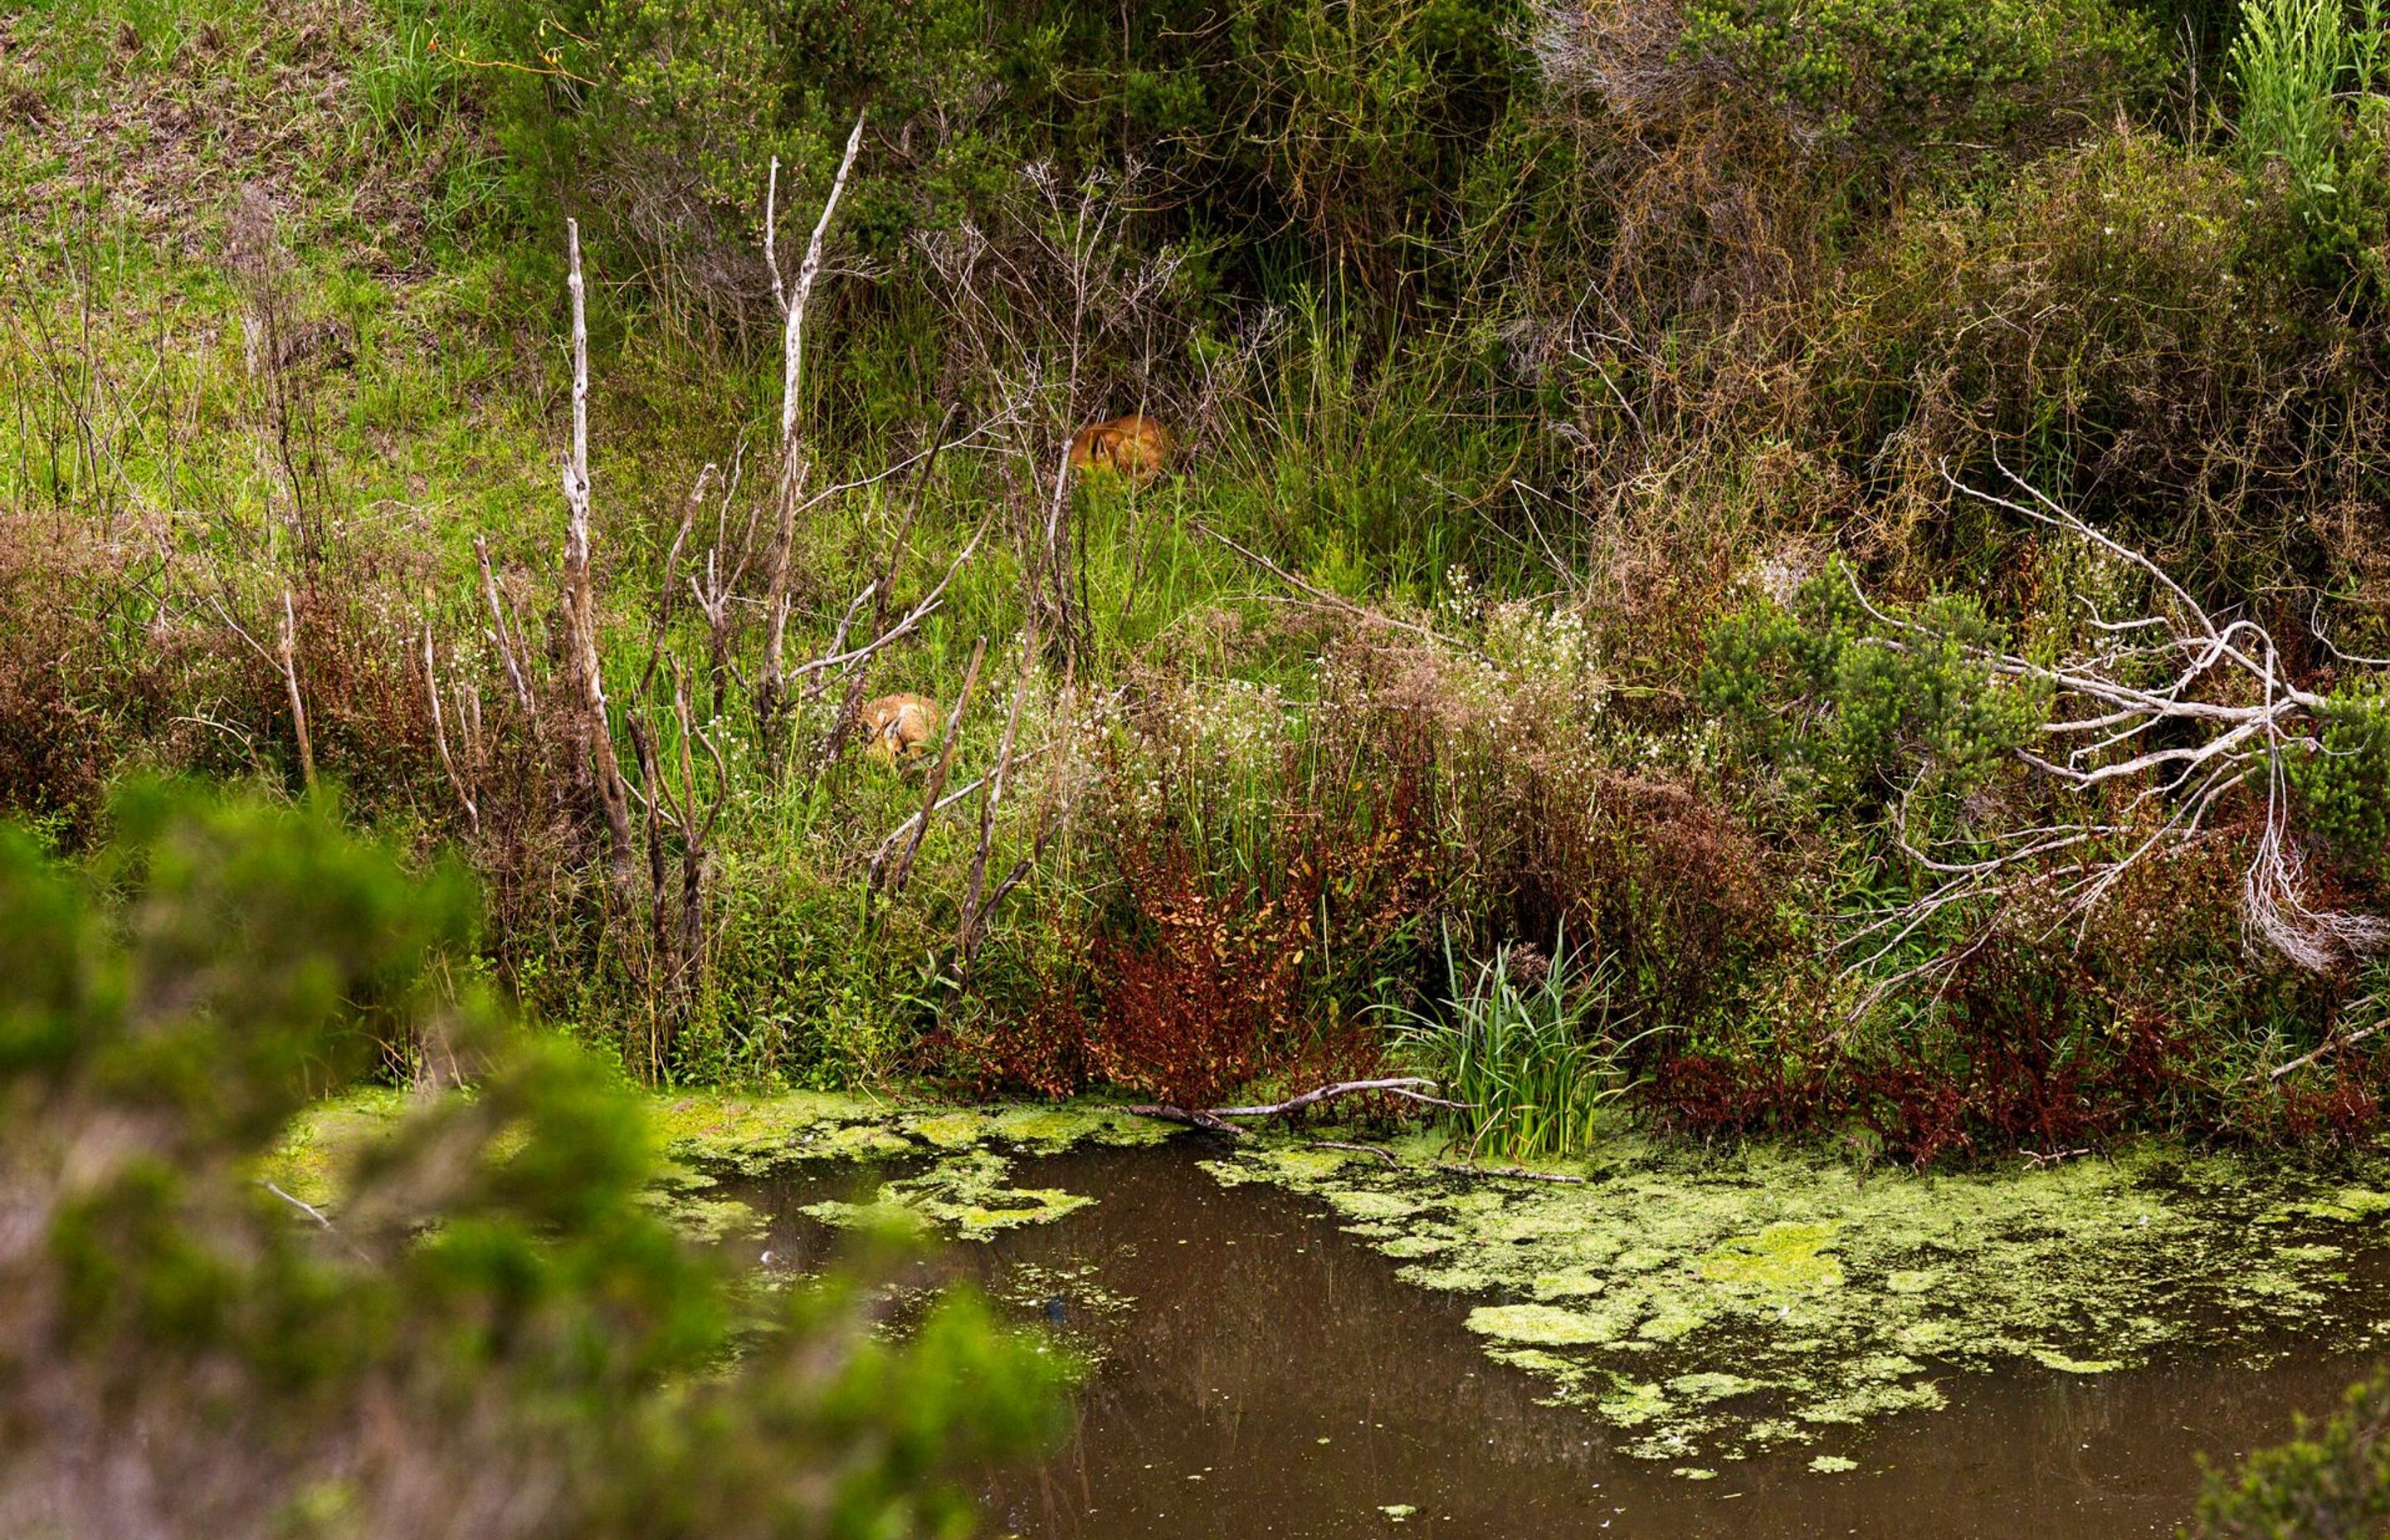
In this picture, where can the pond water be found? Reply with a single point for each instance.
(1257, 1371)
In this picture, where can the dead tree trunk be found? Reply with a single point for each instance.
(584, 666)
(771, 684)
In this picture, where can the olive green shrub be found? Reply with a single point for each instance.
(2344, 785)
(1921, 75)
(2330, 1481)
(1850, 705)
(491, 1334)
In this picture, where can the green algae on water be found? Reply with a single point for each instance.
(963, 1194)
(1715, 1306)
(1542, 1325)
(751, 1135)
(703, 1134)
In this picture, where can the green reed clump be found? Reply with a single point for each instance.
(1533, 1057)
(2311, 102)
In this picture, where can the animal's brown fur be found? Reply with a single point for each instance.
(1134, 447)
(898, 727)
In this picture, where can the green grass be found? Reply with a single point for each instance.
(1572, 522)
(1534, 1058)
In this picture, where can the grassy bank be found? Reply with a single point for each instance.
(1574, 553)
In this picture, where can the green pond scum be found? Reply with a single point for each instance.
(706, 1139)
(1706, 1306)
(1836, 1296)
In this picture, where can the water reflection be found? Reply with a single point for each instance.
(1272, 1378)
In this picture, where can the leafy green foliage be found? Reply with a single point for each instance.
(2330, 1481)
(1899, 73)
(1846, 702)
(2068, 327)
(492, 1334)
(2311, 104)
(2344, 786)
(1311, 135)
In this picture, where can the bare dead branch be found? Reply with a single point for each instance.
(1333, 601)
(501, 636)
(902, 869)
(439, 734)
(580, 599)
(2162, 756)
(2331, 1045)
(1404, 1086)
(793, 336)
(288, 652)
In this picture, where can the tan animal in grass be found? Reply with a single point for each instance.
(898, 727)
(1134, 447)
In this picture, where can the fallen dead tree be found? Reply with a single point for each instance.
(1416, 1088)
(2215, 713)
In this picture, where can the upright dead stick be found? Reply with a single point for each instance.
(439, 734)
(793, 343)
(581, 600)
(288, 652)
(501, 635)
(771, 687)
(902, 869)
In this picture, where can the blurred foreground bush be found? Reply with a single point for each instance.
(493, 1336)
(2330, 1481)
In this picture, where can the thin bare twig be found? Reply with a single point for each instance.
(937, 779)
(1404, 1086)
(288, 651)
(1334, 601)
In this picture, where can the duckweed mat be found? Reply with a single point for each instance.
(1718, 1307)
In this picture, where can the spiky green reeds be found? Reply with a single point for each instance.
(1534, 1057)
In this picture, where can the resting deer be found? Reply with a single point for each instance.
(899, 726)
(1134, 447)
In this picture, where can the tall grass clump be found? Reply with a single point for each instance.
(2310, 82)
(2286, 64)
(1530, 1045)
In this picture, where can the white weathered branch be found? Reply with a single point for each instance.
(793, 343)
(2226, 719)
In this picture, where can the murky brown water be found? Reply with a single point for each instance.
(1272, 1378)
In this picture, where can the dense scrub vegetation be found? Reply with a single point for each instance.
(1657, 483)
(498, 1336)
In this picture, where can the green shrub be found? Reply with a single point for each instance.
(2330, 1481)
(2071, 326)
(1920, 75)
(1322, 143)
(493, 1331)
(2343, 786)
(1846, 701)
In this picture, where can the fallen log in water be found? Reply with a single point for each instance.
(1216, 1118)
